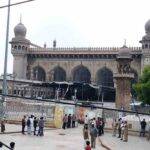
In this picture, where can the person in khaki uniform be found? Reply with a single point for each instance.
(85, 134)
(125, 131)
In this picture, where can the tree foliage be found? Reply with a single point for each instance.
(142, 88)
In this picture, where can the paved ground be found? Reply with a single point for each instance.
(134, 143)
(70, 139)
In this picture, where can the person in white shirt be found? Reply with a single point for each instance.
(86, 120)
(31, 123)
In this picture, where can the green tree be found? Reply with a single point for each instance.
(142, 88)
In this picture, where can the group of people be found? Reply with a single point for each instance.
(34, 125)
(122, 127)
(69, 121)
(93, 128)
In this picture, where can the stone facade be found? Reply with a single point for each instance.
(33, 62)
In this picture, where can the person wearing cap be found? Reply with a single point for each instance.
(93, 133)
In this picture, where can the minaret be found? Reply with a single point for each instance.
(19, 48)
(145, 60)
(123, 78)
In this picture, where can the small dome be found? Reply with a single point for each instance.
(20, 30)
(147, 27)
(124, 52)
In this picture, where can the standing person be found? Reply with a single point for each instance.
(65, 120)
(28, 126)
(93, 133)
(41, 127)
(119, 127)
(148, 136)
(73, 120)
(114, 126)
(23, 124)
(122, 130)
(2, 126)
(143, 127)
(99, 125)
(88, 147)
(103, 125)
(85, 134)
(35, 122)
(69, 121)
(31, 123)
(86, 120)
(94, 121)
(125, 131)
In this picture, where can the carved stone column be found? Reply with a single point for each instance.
(123, 79)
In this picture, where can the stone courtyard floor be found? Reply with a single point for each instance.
(53, 139)
(70, 139)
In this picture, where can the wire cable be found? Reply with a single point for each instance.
(14, 4)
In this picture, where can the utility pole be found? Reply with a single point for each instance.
(5, 63)
(4, 91)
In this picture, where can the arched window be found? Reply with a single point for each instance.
(15, 47)
(23, 47)
(39, 73)
(105, 77)
(58, 74)
(19, 47)
(81, 74)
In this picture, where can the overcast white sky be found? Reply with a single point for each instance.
(77, 23)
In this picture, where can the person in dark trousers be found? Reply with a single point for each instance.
(2, 126)
(119, 127)
(35, 123)
(103, 125)
(69, 121)
(28, 126)
(65, 120)
(41, 127)
(99, 126)
(73, 120)
(93, 133)
(143, 127)
(23, 124)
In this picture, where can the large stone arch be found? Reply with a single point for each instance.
(104, 76)
(39, 73)
(81, 74)
(58, 74)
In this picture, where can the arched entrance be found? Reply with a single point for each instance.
(81, 74)
(39, 73)
(59, 74)
(104, 78)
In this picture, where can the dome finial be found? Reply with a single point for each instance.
(20, 18)
(125, 42)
